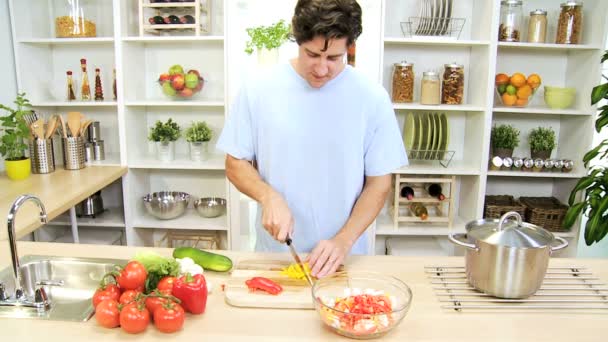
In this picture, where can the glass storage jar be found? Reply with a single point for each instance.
(403, 82)
(511, 18)
(430, 88)
(452, 90)
(75, 19)
(570, 23)
(537, 26)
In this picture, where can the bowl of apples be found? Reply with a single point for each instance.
(178, 84)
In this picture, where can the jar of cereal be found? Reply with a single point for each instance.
(452, 88)
(75, 20)
(570, 23)
(403, 82)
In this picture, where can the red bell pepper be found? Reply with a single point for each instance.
(192, 291)
(264, 284)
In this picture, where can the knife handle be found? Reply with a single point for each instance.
(288, 241)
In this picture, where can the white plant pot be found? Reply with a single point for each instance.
(165, 151)
(199, 151)
(267, 57)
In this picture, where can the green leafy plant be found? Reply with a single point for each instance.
(542, 139)
(595, 185)
(505, 136)
(14, 129)
(198, 132)
(164, 132)
(267, 37)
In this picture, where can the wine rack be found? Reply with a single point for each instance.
(439, 211)
(198, 9)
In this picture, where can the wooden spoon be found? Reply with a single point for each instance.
(74, 123)
(51, 126)
(37, 128)
(84, 127)
(63, 130)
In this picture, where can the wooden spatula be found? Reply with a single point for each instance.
(84, 127)
(37, 128)
(63, 128)
(74, 123)
(51, 126)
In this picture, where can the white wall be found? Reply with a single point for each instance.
(8, 87)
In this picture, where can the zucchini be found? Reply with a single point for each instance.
(207, 260)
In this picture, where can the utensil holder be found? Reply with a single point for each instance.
(42, 156)
(73, 153)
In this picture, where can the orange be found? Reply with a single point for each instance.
(521, 102)
(518, 79)
(502, 79)
(534, 81)
(508, 99)
(524, 92)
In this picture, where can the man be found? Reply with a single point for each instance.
(325, 140)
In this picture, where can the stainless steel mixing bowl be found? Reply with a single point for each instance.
(210, 206)
(166, 205)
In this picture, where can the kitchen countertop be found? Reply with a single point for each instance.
(425, 321)
(59, 191)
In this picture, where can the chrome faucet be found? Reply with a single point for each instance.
(40, 299)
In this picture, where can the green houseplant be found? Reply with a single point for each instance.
(14, 131)
(594, 203)
(542, 142)
(198, 136)
(266, 40)
(505, 138)
(165, 135)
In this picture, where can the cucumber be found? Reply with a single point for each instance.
(207, 260)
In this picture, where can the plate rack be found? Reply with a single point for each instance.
(196, 8)
(439, 211)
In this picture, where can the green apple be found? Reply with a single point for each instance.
(168, 90)
(502, 88)
(176, 69)
(191, 81)
(511, 90)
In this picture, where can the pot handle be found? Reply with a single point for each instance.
(457, 239)
(564, 244)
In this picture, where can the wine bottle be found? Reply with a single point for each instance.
(407, 192)
(434, 190)
(419, 210)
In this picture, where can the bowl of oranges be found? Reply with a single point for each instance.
(516, 90)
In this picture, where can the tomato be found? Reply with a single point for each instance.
(134, 318)
(165, 285)
(107, 313)
(109, 291)
(169, 317)
(128, 296)
(152, 303)
(132, 276)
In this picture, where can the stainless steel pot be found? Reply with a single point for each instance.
(506, 258)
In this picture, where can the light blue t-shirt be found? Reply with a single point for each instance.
(314, 147)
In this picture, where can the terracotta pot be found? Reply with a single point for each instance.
(546, 154)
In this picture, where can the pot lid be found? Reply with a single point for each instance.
(507, 232)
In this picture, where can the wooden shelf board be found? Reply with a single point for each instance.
(572, 174)
(184, 103)
(435, 41)
(385, 226)
(438, 108)
(174, 39)
(181, 162)
(547, 46)
(74, 104)
(112, 217)
(169, 5)
(61, 41)
(190, 220)
(541, 110)
(456, 167)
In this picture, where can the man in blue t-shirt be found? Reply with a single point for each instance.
(325, 140)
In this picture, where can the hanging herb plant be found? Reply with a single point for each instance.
(267, 37)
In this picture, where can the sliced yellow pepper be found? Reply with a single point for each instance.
(295, 271)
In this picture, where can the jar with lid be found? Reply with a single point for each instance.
(537, 26)
(75, 19)
(452, 89)
(430, 88)
(403, 82)
(570, 23)
(511, 18)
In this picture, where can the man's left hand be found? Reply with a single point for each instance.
(327, 256)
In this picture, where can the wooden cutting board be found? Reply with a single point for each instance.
(296, 293)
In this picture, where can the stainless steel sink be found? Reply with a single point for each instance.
(70, 301)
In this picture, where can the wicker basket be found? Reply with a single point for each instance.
(546, 212)
(496, 206)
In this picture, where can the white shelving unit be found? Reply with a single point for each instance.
(42, 60)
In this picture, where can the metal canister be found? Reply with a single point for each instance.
(539, 164)
(507, 163)
(568, 165)
(99, 150)
(549, 163)
(88, 152)
(528, 164)
(558, 166)
(496, 163)
(517, 163)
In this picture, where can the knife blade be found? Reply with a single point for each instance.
(296, 257)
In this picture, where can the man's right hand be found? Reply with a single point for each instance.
(276, 216)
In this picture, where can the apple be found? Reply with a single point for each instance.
(163, 78)
(191, 80)
(178, 81)
(193, 71)
(186, 92)
(201, 82)
(168, 90)
(176, 69)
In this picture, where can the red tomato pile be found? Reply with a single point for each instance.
(363, 314)
(124, 304)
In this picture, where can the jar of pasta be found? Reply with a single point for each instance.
(570, 23)
(403, 82)
(76, 20)
(452, 88)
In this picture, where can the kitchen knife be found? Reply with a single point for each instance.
(295, 256)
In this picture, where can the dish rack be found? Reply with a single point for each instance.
(432, 27)
(202, 240)
(198, 9)
(439, 211)
(443, 156)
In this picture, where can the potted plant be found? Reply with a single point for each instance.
(594, 203)
(505, 138)
(165, 135)
(198, 136)
(13, 131)
(267, 40)
(542, 142)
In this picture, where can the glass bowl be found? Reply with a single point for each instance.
(387, 298)
(181, 86)
(516, 101)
